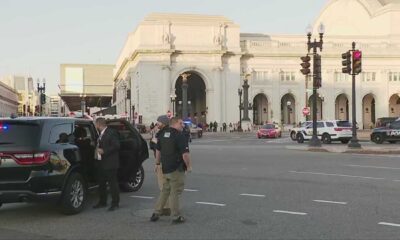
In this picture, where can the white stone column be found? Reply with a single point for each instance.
(166, 86)
(216, 103)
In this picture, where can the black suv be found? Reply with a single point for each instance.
(54, 158)
(390, 133)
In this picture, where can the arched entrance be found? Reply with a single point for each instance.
(368, 105)
(260, 109)
(342, 107)
(319, 107)
(394, 106)
(288, 109)
(196, 96)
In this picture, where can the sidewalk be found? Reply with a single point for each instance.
(342, 148)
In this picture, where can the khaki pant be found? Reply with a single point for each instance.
(160, 177)
(173, 184)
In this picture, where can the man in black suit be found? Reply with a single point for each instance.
(108, 155)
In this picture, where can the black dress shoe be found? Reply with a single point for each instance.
(113, 208)
(100, 205)
(154, 217)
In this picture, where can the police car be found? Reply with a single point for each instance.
(327, 131)
(390, 133)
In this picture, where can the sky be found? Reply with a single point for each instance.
(36, 36)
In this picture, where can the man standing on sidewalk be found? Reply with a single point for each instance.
(173, 153)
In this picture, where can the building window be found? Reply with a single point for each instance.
(340, 77)
(288, 76)
(369, 76)
(394, 76)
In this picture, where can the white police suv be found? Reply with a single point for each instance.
(327, 131)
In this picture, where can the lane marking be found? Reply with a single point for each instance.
(325, 201)
(252, 195)
(389, 224)
(143, 197)
(213, 204)
(190, 190)
(338, 175)
(377, 167)
(289, 212)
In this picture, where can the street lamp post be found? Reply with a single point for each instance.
(246, 100)
(41, 90)
(315, 142)
(240, 92)
(288, 103)
(173, 98)
(184, 94)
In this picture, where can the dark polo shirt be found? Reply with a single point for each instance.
(172, 144)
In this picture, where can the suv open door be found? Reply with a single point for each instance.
(133, 152)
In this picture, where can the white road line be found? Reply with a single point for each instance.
(325, 201)
(289, 212)
(190, 190)
(214, 204)
(368, 166)
(338, 175)
(252, 195)
(389, 224)
(143, 197)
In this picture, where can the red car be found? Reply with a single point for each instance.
(269, 131)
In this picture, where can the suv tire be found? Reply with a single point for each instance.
(200, 134)
(135, 182)
(326, 138)
(345, 141)
(377, 138)
(74, 195)
(293, 135)
(300, 138)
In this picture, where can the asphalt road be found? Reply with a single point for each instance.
(241, 188)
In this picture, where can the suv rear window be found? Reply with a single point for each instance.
(343, 123)
(19, 133)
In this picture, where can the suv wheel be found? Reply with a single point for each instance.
(74, 195)
(200, 134)
(135, 182)
(326, 138)
(293, 135)
(300, 138)
(377, 138)
(345, 141)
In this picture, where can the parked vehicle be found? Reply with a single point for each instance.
(269, 131)
(382, 122)
(53, 158)
(327, 131)
(390, 132)
(294, 131)
(195, 131)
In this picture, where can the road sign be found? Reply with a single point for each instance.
(306, 111)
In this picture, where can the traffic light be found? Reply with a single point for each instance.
(357, 56)
(346, 63)
(128, 94)
(42, 98)
(317, 71)
(305, 65)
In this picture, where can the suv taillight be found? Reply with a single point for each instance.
(338, 129)
(31, 158)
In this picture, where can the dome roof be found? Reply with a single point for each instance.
(360, 17)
